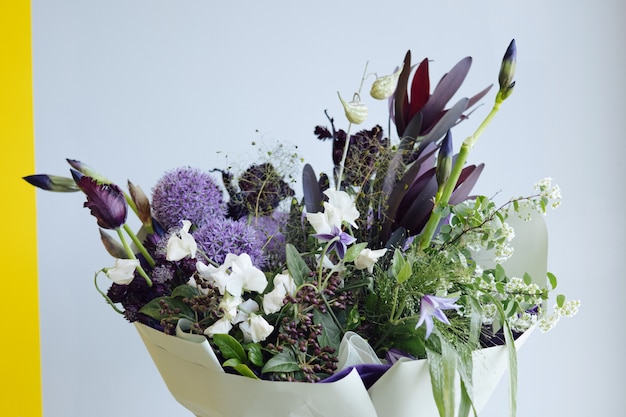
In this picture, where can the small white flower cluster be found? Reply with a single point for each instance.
(548, 195)
(523, 292)
(551, 192)
(522, 322)
(568, 309)
(489, 313)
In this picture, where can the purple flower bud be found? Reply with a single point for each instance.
(507, 70)
(106, 201)
(52, 183)
(444, 160)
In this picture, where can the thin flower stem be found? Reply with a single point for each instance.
(342, 164)
(343, 159)
(106, 297)
(321, 282)
(442, 200)
(131, 255)
(139, 245)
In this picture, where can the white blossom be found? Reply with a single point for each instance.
(283, 285)
(123, 272)
(367, 259)
(182, 244)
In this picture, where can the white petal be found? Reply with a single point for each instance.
(255, 329)
(123, 272)
(367, 258)
(182, 244)
(286, 281)
(222, 326)
(273, 301)
(246, 274)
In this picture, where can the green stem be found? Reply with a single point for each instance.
(131, 255)
(320, 272)
(347, 144)
(106, 297)
(442, 199)
(139, 245)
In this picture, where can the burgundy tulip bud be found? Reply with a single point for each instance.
(106, 201)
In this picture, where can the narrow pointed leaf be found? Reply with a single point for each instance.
(312, 194)
(445, 90)
(400, 98)
(420, 87)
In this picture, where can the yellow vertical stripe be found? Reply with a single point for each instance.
(20, 378)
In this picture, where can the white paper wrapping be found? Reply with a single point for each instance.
(195, 378)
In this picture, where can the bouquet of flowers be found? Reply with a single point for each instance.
(385, 271)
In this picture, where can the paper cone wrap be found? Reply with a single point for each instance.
(196, 379)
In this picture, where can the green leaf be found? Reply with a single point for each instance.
(281, 362)
(154, 308)
(560, 300)
(331, 333)
(552, 280)
(298, 269)
(230, 347)
(353, 252)
(255, 354)
(442, 367)
(512, 355)
(185, 291)
(527, 278)
(242, 368)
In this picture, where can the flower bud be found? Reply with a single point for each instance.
(507, 71)
(52, 183)
(112, 246)
(385, 86)
(444, 161)
(87, 170)
(142, 202)
(356, 112)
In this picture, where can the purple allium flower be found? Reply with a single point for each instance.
(187, 194)
(106, 201)
(270, 231)
(220, 236)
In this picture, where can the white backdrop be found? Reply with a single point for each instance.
(137, 87)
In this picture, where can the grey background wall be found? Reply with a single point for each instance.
(134, 88)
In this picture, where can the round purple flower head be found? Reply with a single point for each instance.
(220, 236)
(270, 231)
(187, 194)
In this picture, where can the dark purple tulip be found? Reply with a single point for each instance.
(106, 201)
